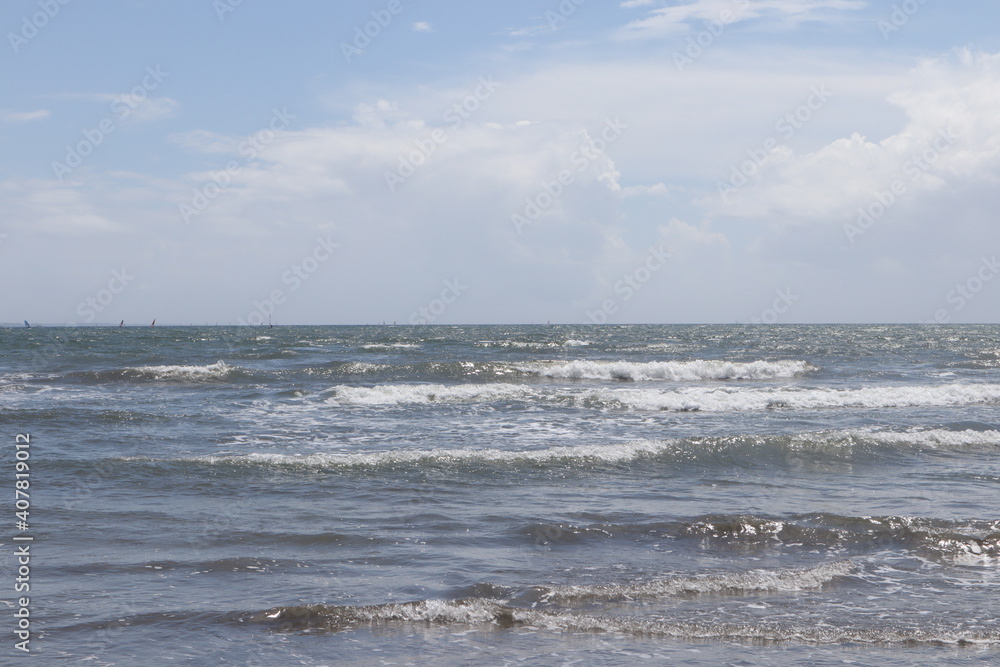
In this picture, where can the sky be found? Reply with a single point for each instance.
(564, 161)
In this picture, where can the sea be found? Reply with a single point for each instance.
(502, 495)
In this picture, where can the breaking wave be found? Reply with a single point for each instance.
(678, 371)
(486, 612)
(765, 450)
(218, 372)
(731, 583)
(728, 399)
(532, 345)
(403, 394)
(686, 399)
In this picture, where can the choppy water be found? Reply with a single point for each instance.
(509, 495)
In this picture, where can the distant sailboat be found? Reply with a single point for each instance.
(121, 324)
(26, 324)
(154, 322)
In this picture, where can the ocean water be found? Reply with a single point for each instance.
(507, 495)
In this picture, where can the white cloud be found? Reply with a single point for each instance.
(951, 138)
(46, 206)
(383, 114)
(655, 190)
(668, 21)
(422, 26)
(150, 108)
(24, 116)
(204, 141)
(452, 217)
(131, 106)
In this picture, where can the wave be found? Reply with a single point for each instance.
(403, 394)
(739, 400)
(678, 371)
(570, 455)
(491, 613)
(221, 565)
(347, 368)
(429, 372)
(687, 399)
(754, 449)
(730, 583)
(967, 543)
(487, 612)
(220, 370)
(931, 438)
(941, 540)
(533, 344)
(217, 372)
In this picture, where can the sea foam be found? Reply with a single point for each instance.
(677, 371)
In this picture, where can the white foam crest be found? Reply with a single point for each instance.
(216, 371)
(390, 346)
(568, 456)
(361, 367)
(685, 399)
(758, 632)
(971, 551)
(730, 399)
(536, 345)
(508, 343)
(753, 581)
(596, 453)
(928, 438)
(432, 611)
(480, 611)
(402, 394)
(677, 371)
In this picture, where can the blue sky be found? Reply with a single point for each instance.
(201, 161)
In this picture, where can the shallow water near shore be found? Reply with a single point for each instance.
(523, 495)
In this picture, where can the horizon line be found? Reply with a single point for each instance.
(43, 325)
